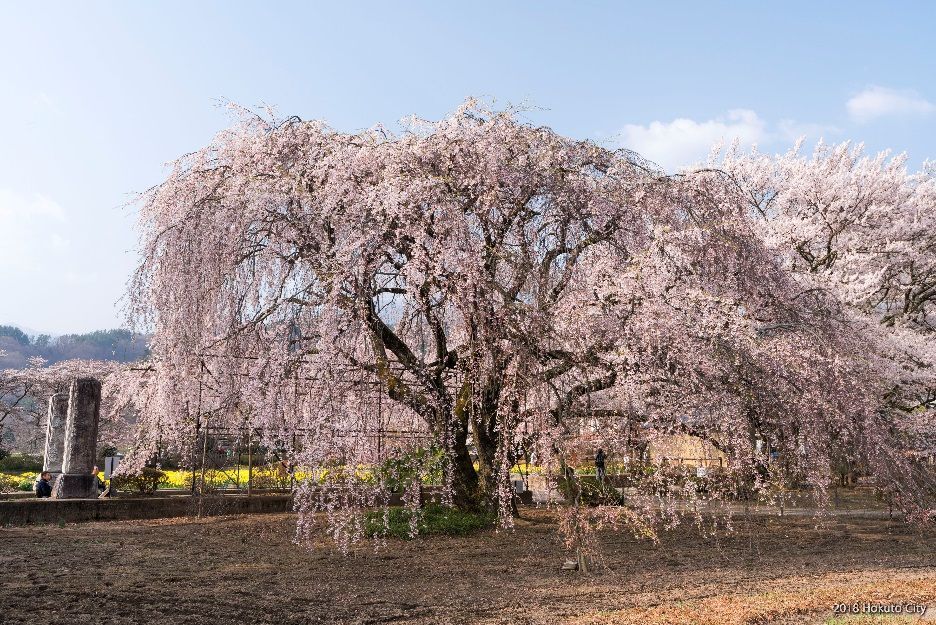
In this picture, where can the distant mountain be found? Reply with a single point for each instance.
(119, 345)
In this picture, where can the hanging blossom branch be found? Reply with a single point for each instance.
(491, 285)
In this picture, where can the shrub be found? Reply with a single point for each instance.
(8, 483)
(144, 483)
(273, 476)
(169, 461)
(432, 519)
(590, 491)
(424, 463)
(21, 462)
(717, 481)
(632, 474)
(104, 451)
(669, 479)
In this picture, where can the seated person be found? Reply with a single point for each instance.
(43, 486)
(98, 482)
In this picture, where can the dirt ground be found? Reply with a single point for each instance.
(247, 570)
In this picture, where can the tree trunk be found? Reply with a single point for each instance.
(486, 447)
(475, 489)
(466, 493)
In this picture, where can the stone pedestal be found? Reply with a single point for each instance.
(81, 425)
(55, 434)
(72, 486)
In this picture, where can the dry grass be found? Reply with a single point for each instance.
(238, 570)
(794, 597)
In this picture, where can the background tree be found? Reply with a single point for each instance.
(863, 230)
(24, 400)
(117, 345)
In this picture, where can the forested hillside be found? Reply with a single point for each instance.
(121, 345)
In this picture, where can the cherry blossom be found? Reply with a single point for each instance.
(501, 290)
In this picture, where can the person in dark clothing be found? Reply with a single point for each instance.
(43, 487)
(600, 465)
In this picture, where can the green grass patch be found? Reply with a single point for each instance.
(432, 520)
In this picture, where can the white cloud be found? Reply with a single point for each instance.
(30, 230)
(876, 101)
(684, 141)
(790, 131)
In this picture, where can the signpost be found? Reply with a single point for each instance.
(110, 465)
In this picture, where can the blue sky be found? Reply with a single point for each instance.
(95, 97)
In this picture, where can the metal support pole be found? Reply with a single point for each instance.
(380, 424)
(249, 459)
(201, 489)
(292, 468)
(194, 446)
(201, 486)
(237, 453)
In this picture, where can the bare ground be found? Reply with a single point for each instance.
(247, 570)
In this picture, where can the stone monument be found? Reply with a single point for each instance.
(81, 426)
(55, 435)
